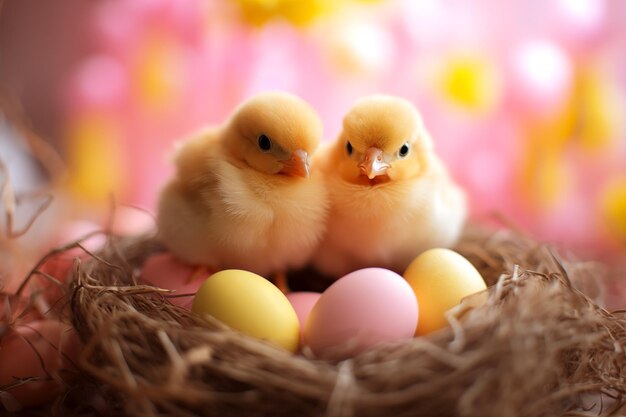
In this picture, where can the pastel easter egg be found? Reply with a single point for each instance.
(302, 303)
(164, 270)
(250, 304)
(360, 310)
(15, 309)
(440, 278)
(25, 351)
(131, 221)
(60, 265)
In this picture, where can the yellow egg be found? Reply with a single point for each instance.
(251, 304)
(440, 278)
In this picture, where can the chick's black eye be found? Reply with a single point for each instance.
(264, 143)
(349, 148)
(404, 150)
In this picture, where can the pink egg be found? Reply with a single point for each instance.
(164, 270)
(16, 309)
(76, 230)
(25, 350)
(302, 303)
(131, 221)
(60, 265)
(364, 308)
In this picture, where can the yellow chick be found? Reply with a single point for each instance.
(242, 196)
(390, 196)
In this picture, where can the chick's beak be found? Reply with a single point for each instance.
(297, 165)
(373, 163)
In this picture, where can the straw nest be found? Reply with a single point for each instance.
(535, 344)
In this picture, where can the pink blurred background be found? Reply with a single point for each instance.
(525, 99)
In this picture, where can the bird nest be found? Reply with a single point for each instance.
(535, 344)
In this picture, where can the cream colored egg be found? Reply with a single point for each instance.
(251, 304)
(440, 278)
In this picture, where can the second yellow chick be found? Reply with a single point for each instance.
(390, 196)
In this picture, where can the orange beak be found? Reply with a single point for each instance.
(298, 165)
(373, 163)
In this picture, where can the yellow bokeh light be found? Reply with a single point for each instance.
(158, 74)
(614, 209)
(297, 12)
(599, 109)
(94, 158)
(471, 82)
(545, 179)
(544, 175)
